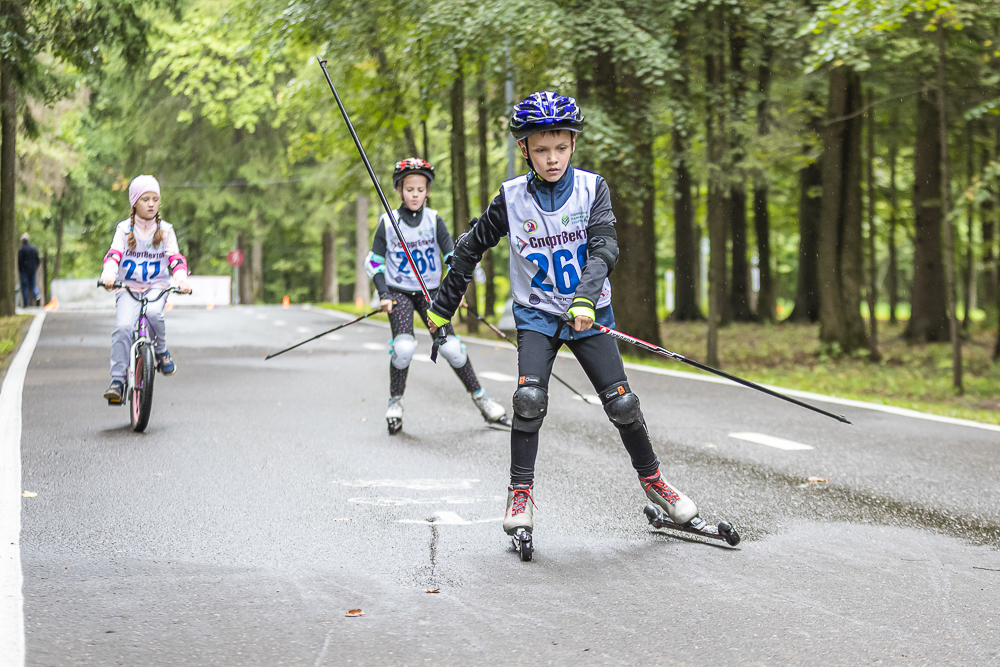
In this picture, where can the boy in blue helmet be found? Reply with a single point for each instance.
(561, 229)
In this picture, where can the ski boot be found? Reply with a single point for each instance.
(518, 522)
(672, 509)
(394, 415)
(492, 411)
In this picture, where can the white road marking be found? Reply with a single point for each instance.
(591, 398)
(498, 377)
(449, 519)
(700, 377)
(373, 346)
(11, 578)
(444, 500)
(279, 323)
(414, 484)
(302, 330)
(771, 441)
(261, 317)
(426, 358)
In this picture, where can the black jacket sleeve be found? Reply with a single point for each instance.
(600, 234)
(379, 244)
(486, 233)
(445, 244)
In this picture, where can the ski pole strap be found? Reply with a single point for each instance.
(656, 349)
(437, 340)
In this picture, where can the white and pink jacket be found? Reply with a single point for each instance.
(145, 266)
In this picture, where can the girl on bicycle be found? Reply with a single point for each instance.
(143, 256)
(427, 238)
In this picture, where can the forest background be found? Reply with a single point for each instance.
(832, 159)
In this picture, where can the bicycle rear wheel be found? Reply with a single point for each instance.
(141, 395)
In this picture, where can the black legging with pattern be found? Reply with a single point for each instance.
(401, 321)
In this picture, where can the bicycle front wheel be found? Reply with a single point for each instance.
(141, 395)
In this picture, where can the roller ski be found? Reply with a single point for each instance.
(518, 522)
(394, 415)
(492, 411)
(672, 509)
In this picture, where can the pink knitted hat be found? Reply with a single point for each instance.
(139, 186)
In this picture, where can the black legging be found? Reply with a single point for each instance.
(401, 321)
(599, 357)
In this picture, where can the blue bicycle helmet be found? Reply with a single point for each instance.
(545, 111)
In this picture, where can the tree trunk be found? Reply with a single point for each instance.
(362, 292)
(60, 226)
(685, 246)
(892, 276)
(806, 307)
(715, 148)
(761, 217)
(840, 266)
(490, 288)
(969, 277)
(8, 186)
(928, 303)
(460, 183)
(330, 291)
(246, 296)
(872, 256)
(987, 214)
(737, 200)
(949, 241)
(257, 264)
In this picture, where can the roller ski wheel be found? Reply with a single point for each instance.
(724, 531)
(521, 541)
(394, 425)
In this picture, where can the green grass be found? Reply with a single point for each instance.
(12, 330)
(917, 377)
(909, 376)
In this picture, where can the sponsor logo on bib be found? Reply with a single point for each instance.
(565, 220)
(534, 300)
(521, 243)
(530, 226)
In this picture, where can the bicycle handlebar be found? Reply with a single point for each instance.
(165, 292)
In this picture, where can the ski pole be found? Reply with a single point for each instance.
(691, 362)
(371, 173)
(504, 336)
(339, 326)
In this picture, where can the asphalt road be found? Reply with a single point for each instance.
(266, 499)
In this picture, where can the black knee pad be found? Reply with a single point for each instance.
(622, 406)
(531, 400)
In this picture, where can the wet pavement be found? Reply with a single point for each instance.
(266, 499)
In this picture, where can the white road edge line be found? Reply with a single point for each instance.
(771, 441)
(11, 578)
(808, 395)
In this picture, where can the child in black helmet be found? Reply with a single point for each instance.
(563, 246)
(399, 290)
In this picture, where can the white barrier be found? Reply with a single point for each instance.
(83, 293)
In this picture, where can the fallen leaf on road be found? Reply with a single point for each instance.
(818, 479)
(354, 612)
(28, 494)
(339, 519)
(436, 590)
(711, 444)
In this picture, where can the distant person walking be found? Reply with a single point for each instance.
(27, 266)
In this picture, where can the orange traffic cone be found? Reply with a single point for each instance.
(285, 302)
(210, 306)
(53, 305)
(359, 303)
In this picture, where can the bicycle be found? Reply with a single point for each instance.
(142, 362)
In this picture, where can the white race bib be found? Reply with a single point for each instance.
(422, 243)
(145, 266)
(549, 250)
